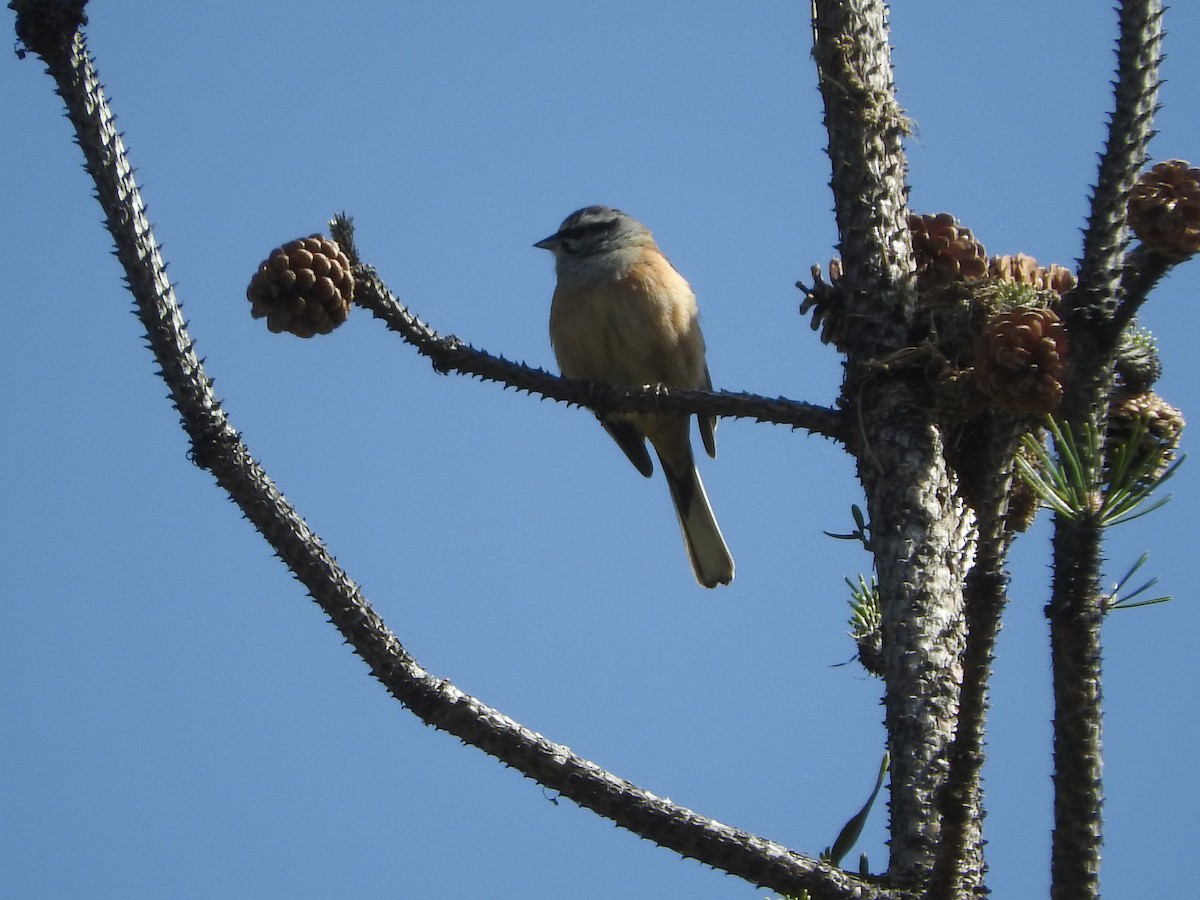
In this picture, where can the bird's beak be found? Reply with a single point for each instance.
(547, 243)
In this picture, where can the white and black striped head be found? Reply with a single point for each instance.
(594, 230)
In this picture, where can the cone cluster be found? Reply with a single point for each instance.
(304, 287)
(945, 251)
(947, 256)
(1164, 209)
(1022, 269)
(1020, 360)
(1160, 425)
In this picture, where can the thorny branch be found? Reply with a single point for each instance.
(1142, 270)
(1096, 312)
(449, 354)
(217, 447)
(922, 533)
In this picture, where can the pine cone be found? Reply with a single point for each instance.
(1137, 362)
(1022, 269)
(944, 251)
(304, 287)
(1161, 424)
(1164, 209)
(826, 303)
(1020, 360)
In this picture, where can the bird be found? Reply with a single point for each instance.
(622, 315)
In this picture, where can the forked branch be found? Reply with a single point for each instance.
(217, 447)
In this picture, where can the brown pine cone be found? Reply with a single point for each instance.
(944, 251)
(1022, 269)
(1161, 424)
(304, 287)
(1164, 209)
(1020, 360)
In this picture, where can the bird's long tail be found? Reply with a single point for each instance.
(706, 547)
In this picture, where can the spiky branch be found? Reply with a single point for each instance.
(922, 534)
(1075, 609)
(449, 354)
(217, 447)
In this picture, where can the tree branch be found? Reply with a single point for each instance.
(984, 461)
(217, 447)
(1143, 269)
(449, 354)
(1098, 289)
(1094, 320)
(866, 127)
(921, 531)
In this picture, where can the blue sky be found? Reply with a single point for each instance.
(179, 718)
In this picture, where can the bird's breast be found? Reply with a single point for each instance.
(629, 327)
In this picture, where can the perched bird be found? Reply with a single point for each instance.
(621, 315)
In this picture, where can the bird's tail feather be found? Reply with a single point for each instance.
(706, 547)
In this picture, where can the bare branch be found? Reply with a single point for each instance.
(449, 354)
(216, 446)
(1139, 51)
(1143, 269)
